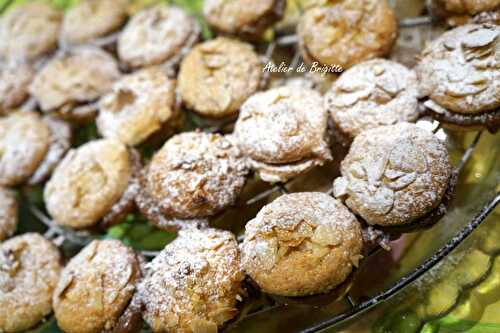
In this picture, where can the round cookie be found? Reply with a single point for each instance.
(283, 132)
(243, 17)
(301, 244)
(394, 175)
(29, 270)
(74, 78)
(139, 105)
(459, 70)
(373, 93)
(217, 76)
(29, 31)
(14, 82)
(8, 213)
(96, 287)
(347, 32)
(193, 175)
(24, 143)
(92, 19)
(157, 35)
(194, 284)
(459, 12)
(88, 182)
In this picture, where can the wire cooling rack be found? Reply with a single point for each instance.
(62, 235)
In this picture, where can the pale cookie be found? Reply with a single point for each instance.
(96, 287)
(283, 132)
(29, 31)
(29, 270)
(157, 35)
(347, 32)
(301, 244)
(194, 284)
(216, 77)
(394, 175)
(138, 106)
(373, 93)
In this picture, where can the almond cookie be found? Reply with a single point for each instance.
(301, 244)
(373, 93)
(347, 32)
(193, 175)
(14, 82)
(458, 12)
(92, 19)
(91, 184)
(24, 143)
(8, 213)
(216, 77)
(243, 17)
(96, 288)
(283, 132)
(194, 284)
(139, 105)
(74, 79)
(29, 270)
(459, 73)
(29, 31)
(394, 175)
(157, 35)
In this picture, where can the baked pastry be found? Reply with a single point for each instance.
(96, 288)
(157, 35)
(92, 19)
(373, 93)
(14, 82)
(74, 79)
(30, 147)
(194, 284)
(243, 17)
(283, 132)
(301, 244)
(29, 269)
(217, 76)
(194, 175)
(29, 31)
(394, 175)
(459, 75)
(347, 32)
(8, 213)
(93, 184)
(458, 12)
(139, 105)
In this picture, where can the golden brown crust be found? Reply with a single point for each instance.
(91, 19)
(283, 127)
(96, 287)
(24, 142)
(87, 183)
(195, 175)
(139, 105)
(466, 7)
(157, 35)
(14, 83)
(29, 31)
(8, 213)
(29, 271)
(301, 244)
(460, 70)
(242, 17)
(347, 32)
(394, 175)
(73, 78)
(217, 76)
(373, 93)
(193, 285)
